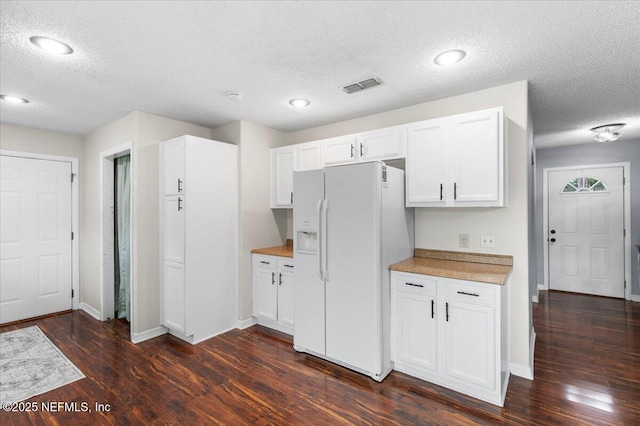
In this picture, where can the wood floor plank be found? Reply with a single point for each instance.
(587, 368)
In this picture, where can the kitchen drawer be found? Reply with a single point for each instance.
(414, 283)
(479, 294)
(285, 264)
(267, 262)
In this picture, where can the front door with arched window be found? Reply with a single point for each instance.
(586, 224)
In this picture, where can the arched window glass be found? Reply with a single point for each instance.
(585, 184)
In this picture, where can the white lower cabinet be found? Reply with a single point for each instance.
(273, 291)
(452, 333)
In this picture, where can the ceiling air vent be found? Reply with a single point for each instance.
(361, 85)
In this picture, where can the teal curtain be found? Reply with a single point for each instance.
(122, 237)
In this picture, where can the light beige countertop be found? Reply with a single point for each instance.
(486, 268)
(282, 251)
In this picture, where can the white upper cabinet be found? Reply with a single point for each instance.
(478, 156)
(340, 150)
(382, 144)
(173, 165)
(308, 156)
(457, 161)
(426, 171)
(282, 160)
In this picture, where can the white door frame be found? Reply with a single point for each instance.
(110, 155)
(75, 243)
(627, 218)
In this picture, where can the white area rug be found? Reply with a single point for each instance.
(31, 365)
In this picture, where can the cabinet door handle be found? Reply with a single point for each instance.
(455, 191)
(280, 279)
(265, 262)
(361, 155)
(440, 192)
(179, 203)
(433, 312)
(414, 285)
(273, 278)
(179, 185)
(351, 150)
(447, 310)
(291, 197)
(469, 294)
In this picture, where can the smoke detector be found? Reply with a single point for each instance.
(235, 96)
(361, 85)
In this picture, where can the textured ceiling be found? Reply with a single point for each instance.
(180, 59)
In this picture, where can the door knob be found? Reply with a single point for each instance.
(553, 231)
(553, 240)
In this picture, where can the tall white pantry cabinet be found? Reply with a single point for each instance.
(198, 237)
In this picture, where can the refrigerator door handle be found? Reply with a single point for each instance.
(319, 253)
(325, 269)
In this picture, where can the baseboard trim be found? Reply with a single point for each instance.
(246, 323)
(91, 310)
(148, 334)
(525, 372)
(635, 297)
(535, 298)
(542, 287)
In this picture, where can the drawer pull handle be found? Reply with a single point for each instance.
(469, 294)
(414, 285)
(288, 266)
(265, 262)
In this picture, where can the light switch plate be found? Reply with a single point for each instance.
(464, 240)
(487, 240)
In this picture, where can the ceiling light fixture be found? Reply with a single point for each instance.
(449, 57)
(14, 99)
(607, 132)
(299, 102)
(51, 45)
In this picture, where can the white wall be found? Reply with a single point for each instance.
(144, 131)
(114, 134)
(588, 154)
(26, 139)
(438, 228)
(260, 226)
(150, 131)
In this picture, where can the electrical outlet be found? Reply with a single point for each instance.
(464, 240)
(487, 240)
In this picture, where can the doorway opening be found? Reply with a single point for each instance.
(586, 229)
(116, 222)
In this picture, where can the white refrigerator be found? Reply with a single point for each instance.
(350, 223)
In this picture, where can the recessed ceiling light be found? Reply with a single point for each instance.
(299, 102)
(607, 132)
(449, 57)
(51, 45)
(14, 99)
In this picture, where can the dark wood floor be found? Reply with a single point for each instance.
(587, 372)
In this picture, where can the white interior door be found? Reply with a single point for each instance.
(586, 224)
(35, 237)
